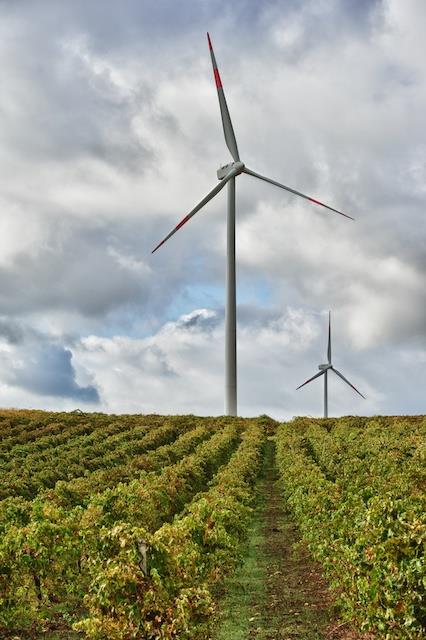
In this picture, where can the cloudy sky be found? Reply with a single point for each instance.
(110, 133)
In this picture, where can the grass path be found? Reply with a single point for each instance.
(278, 593)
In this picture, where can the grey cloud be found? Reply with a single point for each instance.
(78, 275)
(61, 108)
(47, 370)
(79, 271)
(134, 21)
(11, 331)
(302, 29)
(153, 360)
(257, 316)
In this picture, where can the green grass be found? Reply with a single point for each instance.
(245, 590)
(277, 592)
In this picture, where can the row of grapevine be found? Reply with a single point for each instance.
(82, 434)
(26, 427)
(27, 469)
(45, 552)
(170, 596)
(357, 493)
(383, 447)
(37, 472)
(78, 491)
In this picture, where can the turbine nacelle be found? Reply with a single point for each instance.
(235, 167)
(324, 367)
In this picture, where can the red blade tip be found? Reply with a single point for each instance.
(322, 204)
(217, 79)
(158, 246)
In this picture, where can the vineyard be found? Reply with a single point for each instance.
(129, 526)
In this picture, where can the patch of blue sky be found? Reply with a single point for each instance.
(212, 296)
(197, 296)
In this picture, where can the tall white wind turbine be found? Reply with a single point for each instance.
(325, 368)
(227, 175)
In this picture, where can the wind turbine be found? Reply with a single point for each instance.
(324, 368)
(227, 175)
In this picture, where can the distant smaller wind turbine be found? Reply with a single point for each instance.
(323, 372)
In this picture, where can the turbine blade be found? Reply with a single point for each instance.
(347, 382)
(317, 375)
(199, 206)
(226, 118)
(297, 193)
(329, 338)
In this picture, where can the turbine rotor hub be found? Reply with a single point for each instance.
(222, 172)
(324, 367)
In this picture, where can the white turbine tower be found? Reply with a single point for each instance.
(227, 175)
(324, 368)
